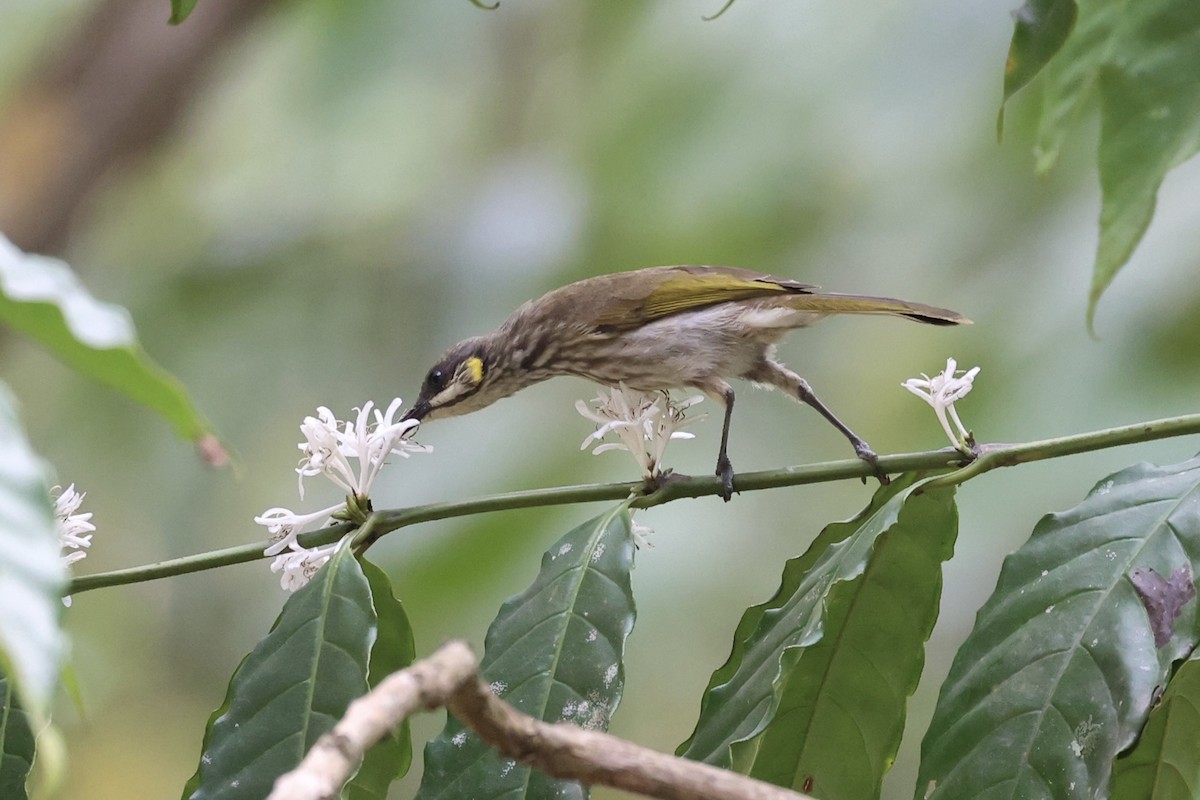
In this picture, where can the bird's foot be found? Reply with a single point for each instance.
(864, 452)
(725, 473)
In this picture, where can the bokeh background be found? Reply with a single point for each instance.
(318, 197)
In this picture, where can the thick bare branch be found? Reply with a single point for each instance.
(337, 754)
(449, 678)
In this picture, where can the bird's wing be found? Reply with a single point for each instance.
(680, 289)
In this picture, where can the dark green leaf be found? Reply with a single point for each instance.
(842, 706)
(555, 652)
(292, 688)
(393, 650)
(1165, 765)
(31, 572)
(16, 744)
(180, 9)
(42, 298)
(743, 695)
(1059, 673)
(1039, 29)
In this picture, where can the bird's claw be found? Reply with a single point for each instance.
(725, 473)
(864, 452)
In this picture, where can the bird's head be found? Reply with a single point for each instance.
(465, 379)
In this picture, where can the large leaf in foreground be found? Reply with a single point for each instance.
(393, 650)
(16, 744)
(744, 694)
(843, 703)
(555, 652)
(43, 298)
(1165, 765)
(1059, 673)
(292, 688)
(31, 572)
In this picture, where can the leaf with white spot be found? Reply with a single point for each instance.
(555, 652)
(1061, 669)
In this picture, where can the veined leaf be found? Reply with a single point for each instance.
(555, 652)
(1061, 669)
(1165, 765)
(42, 298)
(1141, 59)
(16, 744)
(293, 687)
(31, 572)
(842, 704)
(393, 650)
(743, 695)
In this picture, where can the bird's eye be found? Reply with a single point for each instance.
(436, 379)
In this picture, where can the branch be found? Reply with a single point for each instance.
(991, 457)
(563, 750)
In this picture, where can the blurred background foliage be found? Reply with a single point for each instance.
(347, 188)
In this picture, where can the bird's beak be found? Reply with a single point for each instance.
(417, 412)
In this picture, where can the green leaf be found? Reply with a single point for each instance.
(293, 687)
(555, 652)
(842, 704)
(1165, 765)
(180, 9)
(1141, 58)
(1150, 123)
(1059, 673)
(393, 650)
(31, 573)
(43, 298)
(16, 744)
(1040, 27)
(744, 694)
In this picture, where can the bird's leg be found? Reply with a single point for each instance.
(780, 376)
(721, 392)
(724, 467)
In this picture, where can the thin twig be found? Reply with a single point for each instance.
(991, 457)
(449, 678)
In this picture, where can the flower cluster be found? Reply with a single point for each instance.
(942, 391)
(644, 421)
(351, 455)
(74, 529)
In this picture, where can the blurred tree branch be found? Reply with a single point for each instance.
(100, 101)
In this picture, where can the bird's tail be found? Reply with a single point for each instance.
(826, 303)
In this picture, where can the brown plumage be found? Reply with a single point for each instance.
(652, 329)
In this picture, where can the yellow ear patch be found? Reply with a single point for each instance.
(474, 367)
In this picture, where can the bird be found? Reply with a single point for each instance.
(656, 329)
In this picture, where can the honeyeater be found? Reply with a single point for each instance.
(655, 329)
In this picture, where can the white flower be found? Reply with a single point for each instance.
(641, 534)
(74, 529)
(942, 391)
(298, 565)
(284, 525)
(351, 454)
(644, 421)
(329, 447)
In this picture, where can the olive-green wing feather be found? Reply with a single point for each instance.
(663, 291)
